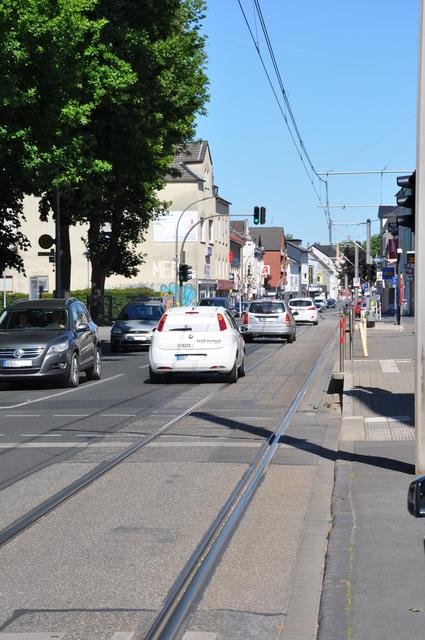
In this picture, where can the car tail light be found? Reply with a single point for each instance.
(311, 308)
(161, 322)
(245, 318)
(221, 322)
(287, 318)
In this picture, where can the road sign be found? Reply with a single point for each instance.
(265, 271)
(356, 282)
(388, 273)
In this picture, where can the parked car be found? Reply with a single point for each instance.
(42, 339)
(218, 302)
(269, 318)
(330, 303)
(197, 340)
(306, 310)
(416, 497)
(320, 302)
(134, 325)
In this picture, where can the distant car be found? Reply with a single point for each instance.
(306, 309)
(200, 339)
(268, 318)
(134, 325)
(243, 307)
(218, 302)
(49, 339)
(320, 302)
(331, 303)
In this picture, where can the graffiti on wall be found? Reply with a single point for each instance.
(188, 292)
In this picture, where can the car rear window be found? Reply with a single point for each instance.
(141, 312)
(301, 303)
(266, 307)
(193, 322)
(213, 302)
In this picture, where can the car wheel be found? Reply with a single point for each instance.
(94, 372)
(242, 369)
(154, 378)
(247, 338)
(316, 323)
(294, 335)
(233, 375)
(114, 348)
(73, 376)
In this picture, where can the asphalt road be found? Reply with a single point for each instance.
(100, 565)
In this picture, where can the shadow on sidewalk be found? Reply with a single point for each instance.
(311, 447)
(377, 461)
(385, 403)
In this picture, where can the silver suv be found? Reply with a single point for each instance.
(268, 318)
(135, 325)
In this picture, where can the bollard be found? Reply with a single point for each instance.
(341, 344)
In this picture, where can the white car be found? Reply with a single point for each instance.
(307, 311)
(197, 340)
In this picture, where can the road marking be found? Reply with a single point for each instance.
(61, 445)
(144, 366)
(123, 635)
(119, 415)
(221, 443)
(32, 636)
(22, 415)
(71, 415)
(62, 393)
(199, 635)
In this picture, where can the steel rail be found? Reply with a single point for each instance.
(47, 506)
(192, 579)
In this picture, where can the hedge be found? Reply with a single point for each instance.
(115, 299)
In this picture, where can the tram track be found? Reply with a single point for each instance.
(31, 517)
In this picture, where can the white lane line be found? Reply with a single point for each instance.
(62, 393)
(123, 635)
(39, 435)
(71, 415)
(32, 636)
(204, 444)
(62, 445)
(200, 635)
(22, 415)
(144, 366)
(119, 415)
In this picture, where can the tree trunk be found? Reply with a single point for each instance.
(97, 298)
(65, 255)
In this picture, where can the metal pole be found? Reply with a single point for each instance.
(356, 270)
(420, 255)
(368, 238)
(58, 272)
(4, 291)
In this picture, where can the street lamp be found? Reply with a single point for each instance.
(176, 257)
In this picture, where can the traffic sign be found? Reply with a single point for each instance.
(356, 282)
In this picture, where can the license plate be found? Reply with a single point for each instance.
(180, 357)
(137, 338)
(16, 364)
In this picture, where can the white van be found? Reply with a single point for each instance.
(320, 301)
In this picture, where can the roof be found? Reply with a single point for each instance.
(328, 249)
(239, 225)
(49, 303)
(189, 154)
(270, 238)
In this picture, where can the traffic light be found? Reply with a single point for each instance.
(406, 198)
(256, 215)
(262, 215)
(185, 272)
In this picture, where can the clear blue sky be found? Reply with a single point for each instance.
(350, 71)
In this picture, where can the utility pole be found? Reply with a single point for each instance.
(368, 235)
(58, 250)
(420, 255)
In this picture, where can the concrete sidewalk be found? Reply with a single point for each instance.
(374, 583)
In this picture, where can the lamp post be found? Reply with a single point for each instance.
(176, 256)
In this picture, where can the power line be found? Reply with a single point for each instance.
(294, 131)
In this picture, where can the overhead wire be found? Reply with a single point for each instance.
(294, 131)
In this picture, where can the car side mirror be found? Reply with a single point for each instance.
(82, 326)
(416, 497)
(154, 329)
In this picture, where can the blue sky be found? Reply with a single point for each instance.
(350, 71)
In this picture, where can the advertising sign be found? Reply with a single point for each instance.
(388, 273)
(265, 271)
(164, 227)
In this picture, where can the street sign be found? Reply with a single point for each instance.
(356, 282)
(265, 271)
(45, 241)
(388, 273)
(366, 286)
